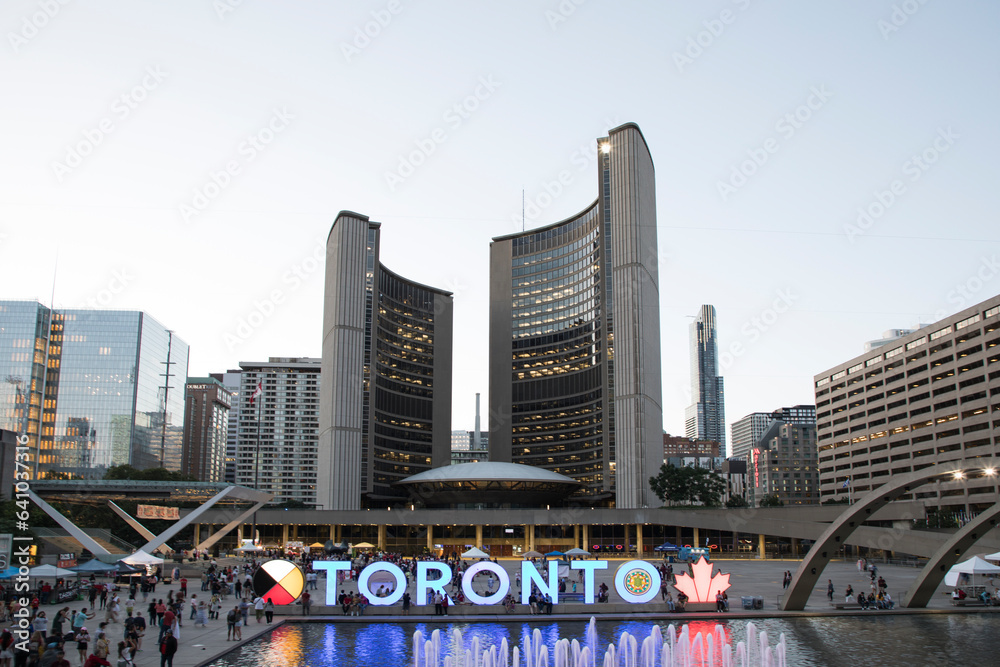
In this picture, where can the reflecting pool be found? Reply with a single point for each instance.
(924, 639)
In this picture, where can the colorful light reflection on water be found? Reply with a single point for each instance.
(812, 642)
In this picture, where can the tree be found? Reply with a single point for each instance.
(771, 501)
(686, 484)
(737, 501)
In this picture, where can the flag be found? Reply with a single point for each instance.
(847, 483)
(257, 392)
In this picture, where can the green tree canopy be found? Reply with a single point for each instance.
(771, 501)
(690, 485)
(150, 474)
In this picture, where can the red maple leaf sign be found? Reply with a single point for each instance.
(704, 585)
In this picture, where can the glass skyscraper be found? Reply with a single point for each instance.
(705, 419)
(385, 404)
(101, 388)
(575, 337)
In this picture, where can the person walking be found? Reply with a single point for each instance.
(167, 650)
(269, 610)
(82, 641)
(829, 589)
(258, 608)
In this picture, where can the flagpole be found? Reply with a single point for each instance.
(256, 469)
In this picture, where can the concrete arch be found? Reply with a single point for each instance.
(950, 552)
(805, 578)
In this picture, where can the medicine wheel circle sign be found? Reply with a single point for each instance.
(280, 581)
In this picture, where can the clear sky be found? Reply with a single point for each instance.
(187, 158)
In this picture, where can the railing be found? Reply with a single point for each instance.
(100, 534)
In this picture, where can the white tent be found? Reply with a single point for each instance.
(577, 551)
(248, 545)
(475, 553)
(973, 566)
(995, 556)
(142, 558)
(50, 571)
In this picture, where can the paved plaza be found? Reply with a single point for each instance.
(748, 578)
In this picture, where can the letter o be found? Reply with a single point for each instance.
(546, 203)
(22, 487)
(22, 622)
(309, 265)
(471, 103)
(769, 316)
(84, 145)
(396, 573)
(372, 29)
(974, 284)
(475, 597)
(630, 566)
(139, 93)
(875, 206)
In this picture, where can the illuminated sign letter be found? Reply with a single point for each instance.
(637, 581)
(392, 569)
(589, 567)
(476, 598)
(437, 584)
(531, 575)
(331, 567)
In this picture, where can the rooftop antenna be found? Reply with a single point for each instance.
(522, 210)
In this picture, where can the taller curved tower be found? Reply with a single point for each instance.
(385, 395)
(575, 336)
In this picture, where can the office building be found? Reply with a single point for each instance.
(112, 382)
(276, 448)
(930, 398)
(680, 451)
(385, 411)
(783, 465)
(206, 426)
(231, 381)
(574, 345)
(705, 419)
(748, 431)
(465, 450)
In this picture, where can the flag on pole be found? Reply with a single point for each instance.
(257, 392)
(847, 483)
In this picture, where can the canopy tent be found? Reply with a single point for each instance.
(475, 553)
(364, 545)
(972, 567)
(577, 551)
(10, 572)
(94, 565)
(531, 554)
(49, 572)
(555, 553)
(142, 558)
(316, 545)
(995, 556)
(667, 546)
(127, 570)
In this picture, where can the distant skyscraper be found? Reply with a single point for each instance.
(206, 424)
(748, 431)
(575, 336)
(705, 419)
(231, 381)
(113, 387)
(283, 459)
(385, 407)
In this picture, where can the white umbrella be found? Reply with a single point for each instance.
(50, 571)
(142, 558)
(973, 566)
(475, 553)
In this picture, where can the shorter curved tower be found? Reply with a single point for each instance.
(385, 396)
